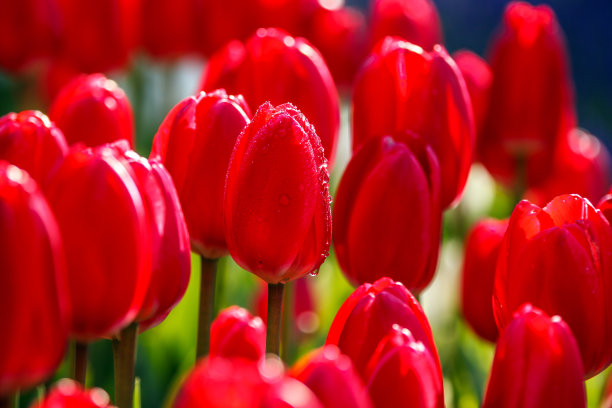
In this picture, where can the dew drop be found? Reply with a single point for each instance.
(314, 273)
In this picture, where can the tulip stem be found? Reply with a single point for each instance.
(124, 358)
(275, 308)
(79, 372)
(288, 327)
(207, 305)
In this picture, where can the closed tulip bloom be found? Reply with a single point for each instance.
(93, 110)
(370, 313)
(531, 103)
(106, 235)
(171, 264)
(605, 206)
(69, 394)
(402, 88)
(32, 284)
(331, 376)
(98, 36)
(271, 66)
(371, 232)
(559, 258)
(195, 142)
(32, 142)
(217, 382)
(481, 251)
(478, 79)
(403, 369)
(235, 333)
(277, 214)
(537, 364)
(416, 21)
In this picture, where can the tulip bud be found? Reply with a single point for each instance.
(277, 214)
(403, 369)
(195, 142)
(93, 110)
(371, 232)
(171, 264)
(32, 284)
(559, 258)
(370, 313)
(537, 364)
(478, 78)
(103, 223)
(275, 67)
(531, 103)
(32, 142)
(219, 383)
(605, 206)
(331, 376)
(402, 88)
(69, 394)
(235, 333)
(481, 252)
(98, 36)
(416, 21)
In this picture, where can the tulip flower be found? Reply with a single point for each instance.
(277, 214)
(403, 369)
(481, 251)
(93, 110)
(98, 36)
(478, 79)
(32, 284)
(332, 378)
(537, 363)
(32, 142)
(107, 238)
(69, 394)
(559, 258)
(531, 102)
(217, 382)
(605, 206)
(235, 333)
(271, 66)
(371, 232)
(370, 313)
(402, 88)
(169, 27)
(416, 21)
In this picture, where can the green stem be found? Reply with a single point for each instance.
(275, 307)
(124, 358)
(79, 370)
(288, 327)
(207, 305)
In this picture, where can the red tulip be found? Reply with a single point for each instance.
(107, 239)
(219, 383)
(331, 376)
(340, 35)
(98, 36)
(605, 206)
(235, 333)
(481, 251)
(370, 313)
(478, 79)
(559, 258)
(32, 284)
(171, 265)
(69, 394)
(403, 369)
(195, 143)
(372, 233)
(30, 141)
(582, 165)
(93, 110)
(277, 215)
(416, 21)
(403, 88)
(169, 27)
(537, 364)
(273, 66)
(531, 103)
